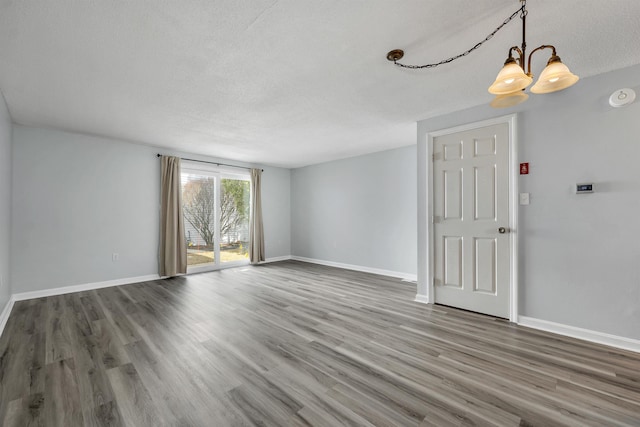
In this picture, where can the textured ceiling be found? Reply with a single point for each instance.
(286, 83)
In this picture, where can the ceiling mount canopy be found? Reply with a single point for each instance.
(512, 79)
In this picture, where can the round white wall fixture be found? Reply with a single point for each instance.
(622, 97)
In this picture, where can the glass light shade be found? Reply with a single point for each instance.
(510, 79)
(509, 99)
(556, 76)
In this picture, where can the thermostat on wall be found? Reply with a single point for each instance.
(584, 188)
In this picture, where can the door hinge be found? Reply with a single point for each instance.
(436, 156)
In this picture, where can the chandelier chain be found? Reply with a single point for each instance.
(522, 11)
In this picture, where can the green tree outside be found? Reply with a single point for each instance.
(198, 199)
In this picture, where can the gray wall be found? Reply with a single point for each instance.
(77, 199)
(579, 257)
(276, 211)
(359, 211)
(5, 203)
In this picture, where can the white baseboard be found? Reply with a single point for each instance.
(424, 299)
(84, 287)
(4, 316)
(276, 259)
(583, 334)
(405, 276)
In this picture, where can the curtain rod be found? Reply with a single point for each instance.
(213, 163)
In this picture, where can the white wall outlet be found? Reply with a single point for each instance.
(115, 256)
(524, 198)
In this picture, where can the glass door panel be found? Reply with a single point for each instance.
(199, 208)
(234, 220)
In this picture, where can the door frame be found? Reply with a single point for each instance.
(219, 173)
(511, 121)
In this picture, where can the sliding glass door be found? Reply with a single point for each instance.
(234, 220)
(216, 207)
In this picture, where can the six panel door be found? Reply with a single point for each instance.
(471, 220)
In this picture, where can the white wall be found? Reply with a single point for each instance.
(5, 203)
(359, 211)
(78, 199)
(579, 254)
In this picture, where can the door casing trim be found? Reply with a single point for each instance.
(511, 120)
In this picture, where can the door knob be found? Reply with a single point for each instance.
(502, 230)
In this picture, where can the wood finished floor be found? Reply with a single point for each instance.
(293, 344)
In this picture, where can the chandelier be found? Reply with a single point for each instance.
(512, 79)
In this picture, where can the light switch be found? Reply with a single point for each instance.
(524, 198)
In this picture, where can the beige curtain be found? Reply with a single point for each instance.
(256, 232)
(173, 247)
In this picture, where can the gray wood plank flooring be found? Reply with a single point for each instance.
(296, 344)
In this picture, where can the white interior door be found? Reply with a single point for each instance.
(471, 220)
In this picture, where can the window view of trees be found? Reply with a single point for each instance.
(198, 204)
(234, 209)
(199, 207)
